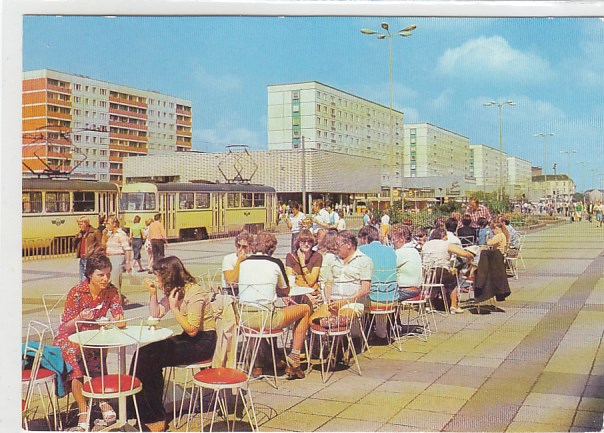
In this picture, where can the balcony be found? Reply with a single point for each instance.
(57, 115)
(184, 133)
(115, 171)
(59, 155)
(127, 102)
(186, 122)
(128, 125)
(58, 102)
(58, 89)
(184, 112)
(127, 113)
(125, 148)
(128, 137)
(183, 143)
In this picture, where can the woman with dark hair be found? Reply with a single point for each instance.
(304, 266)
(89, 300)
(190, 305)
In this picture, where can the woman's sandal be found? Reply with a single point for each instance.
(109, 415)
(82, 426)
(293, 370)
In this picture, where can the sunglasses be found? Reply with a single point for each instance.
(307, 241)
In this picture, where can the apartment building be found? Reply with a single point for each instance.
(321, 117)
(554, 187)
(486, 164)
(519, 176)
(73, 123)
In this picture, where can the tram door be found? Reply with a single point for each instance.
(220, 212)
(167, 207)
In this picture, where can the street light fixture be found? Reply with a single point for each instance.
(500, 105)
(406, 32)
(568, 155)
(544, 135)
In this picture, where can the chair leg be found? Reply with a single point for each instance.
(354, 353)
(247, 410)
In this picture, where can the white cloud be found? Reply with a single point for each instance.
(491, 57)
(226, 82)
(443, 101)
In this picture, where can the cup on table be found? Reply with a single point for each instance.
(152, 322)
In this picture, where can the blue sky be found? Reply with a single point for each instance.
(550, 67)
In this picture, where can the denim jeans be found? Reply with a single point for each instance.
(83, 261)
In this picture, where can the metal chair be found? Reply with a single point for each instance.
(99, 383)
(384, 302)
(34, 377)
(255, 325)
(52, 304)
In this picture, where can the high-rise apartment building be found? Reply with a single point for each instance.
(333, 120)
(519, 176)
(71, 122)
(430, 150)
(485, 165)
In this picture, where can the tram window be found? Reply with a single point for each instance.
(31, 202)
(233, 199)
(133, 201)
(83, 201)
(185, 200)
(258, 199)
(202, 200)
(246, 199)
(57, 202)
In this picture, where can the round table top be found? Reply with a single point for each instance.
(300, 290)
(113, 336)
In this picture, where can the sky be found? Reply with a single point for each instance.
(551, 68)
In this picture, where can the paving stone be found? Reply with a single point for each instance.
(561, 383)
(592, 404)
(546, 415)
(383, 399)
(523, 426)
(320, 407)
(487, 422)
(371, 412)
(404, 387)
(442, 390)
(437, 403)
(429, 421)
(480, 361)
(348, 425)
(294, 421)
(451, 378)
(399, 428)
(552, 400)
(589, 421)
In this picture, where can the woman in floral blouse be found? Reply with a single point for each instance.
(83, 303)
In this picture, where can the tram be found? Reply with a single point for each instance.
(192, 211)
(51, 208)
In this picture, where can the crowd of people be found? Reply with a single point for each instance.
(338, 267)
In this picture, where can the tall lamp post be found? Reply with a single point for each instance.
(500, 105)
(544, 135)
(593, 178)
(583, 171)
(568, 155)
(406, 32)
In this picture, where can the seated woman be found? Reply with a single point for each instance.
(89, 300)
(436, 254)
(498, 240)
(261, 279)
(305, 265)
(190, 305)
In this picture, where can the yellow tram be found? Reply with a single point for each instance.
(200, 210)
(51, 207)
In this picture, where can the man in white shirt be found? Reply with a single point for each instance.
(321, 217)
(231, 262)
(451, 226)
(408, 263)
(334, 218)
(294, 223)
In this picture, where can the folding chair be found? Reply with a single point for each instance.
(384, 302)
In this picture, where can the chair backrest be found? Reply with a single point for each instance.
(53, 303)
(38, 334)
(97, 341)
(466, 241)
(384, 287)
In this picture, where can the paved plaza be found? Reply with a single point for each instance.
(537, 365)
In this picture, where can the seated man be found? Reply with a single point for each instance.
(231, 262)
(383, 281)
(347, 277)
(466, 233)
(514, 245)
(261, 279)
(408, 263)
(451, 226)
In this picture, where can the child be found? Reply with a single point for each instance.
(484, 231)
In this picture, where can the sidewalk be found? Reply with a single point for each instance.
(536, 366)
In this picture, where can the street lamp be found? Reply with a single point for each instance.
(406, 32)
(544, 135)
(500, 105)
(583, 171)
(568, 155)
(593, 177)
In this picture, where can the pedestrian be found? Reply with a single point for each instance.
(341, 222)
(117, 248)
(476, 210)
(137, 237)
(147, 245)
(88, 242)
(157, 235)
(295, 223)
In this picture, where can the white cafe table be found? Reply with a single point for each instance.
(111, 336)
(300, 290)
